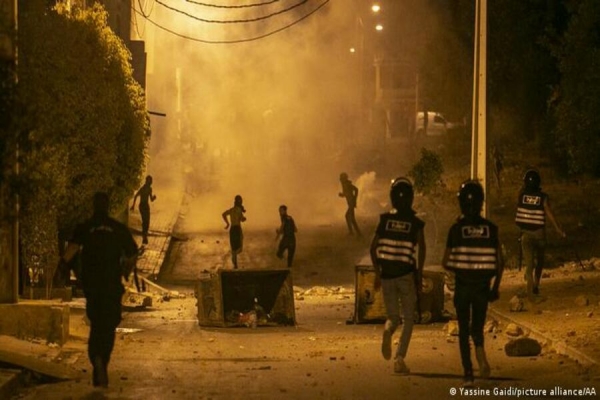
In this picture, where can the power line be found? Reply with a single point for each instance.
(235, 21)
(144, 13)
(238, 40)
(241, 6)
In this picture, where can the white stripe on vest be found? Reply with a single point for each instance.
(472, 258)
(533, 217)
(395, 250)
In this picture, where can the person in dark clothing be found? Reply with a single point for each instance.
(287, 231)
(533, 208)
(350, 192)
(474, 257)
(236, 236)
(108, 253)
(397, 271)
(145, 194)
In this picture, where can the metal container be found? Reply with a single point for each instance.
(369, 305)
(250, 297)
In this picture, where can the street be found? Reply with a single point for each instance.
(171, 357)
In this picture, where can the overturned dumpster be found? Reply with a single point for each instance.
(249, 297)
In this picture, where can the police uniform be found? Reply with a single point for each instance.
(472, 255)
(531, 219)
(397, 237)
(104, 242)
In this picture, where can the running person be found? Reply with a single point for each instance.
(350, 193)
(236, 237)
(287, 231)
(108, 253)
(145, 194)
(473, 255)
(533, 208)
(392, 251)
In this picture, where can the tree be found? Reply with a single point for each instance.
(577, 130)
(82, 122)
(427, 179)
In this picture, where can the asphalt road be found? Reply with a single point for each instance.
(172, 357)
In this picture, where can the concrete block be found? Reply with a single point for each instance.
(44, 320)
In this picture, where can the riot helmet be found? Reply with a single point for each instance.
(402, 194)
(470, 198)
(532, 179)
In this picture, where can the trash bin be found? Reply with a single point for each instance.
(248, 297)
(369, 305)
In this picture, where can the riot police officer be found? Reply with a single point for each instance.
(398, 235)
(473, 255)
(533, 207)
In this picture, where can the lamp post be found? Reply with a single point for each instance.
(479, 124)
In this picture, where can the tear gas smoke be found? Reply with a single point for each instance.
(268, 119)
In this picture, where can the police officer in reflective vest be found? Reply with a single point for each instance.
(473, 255)
(532, 209)
(399, 275)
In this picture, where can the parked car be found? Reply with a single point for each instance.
(436, 124)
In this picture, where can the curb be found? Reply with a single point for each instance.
(559, 346)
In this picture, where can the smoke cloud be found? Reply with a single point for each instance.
(272, 120)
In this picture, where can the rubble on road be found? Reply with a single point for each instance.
(516, 304)
(523, 347)
(451, 328)
(341, 292)
(513, 330)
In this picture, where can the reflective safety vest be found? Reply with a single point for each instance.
(473, 246)
(530, 210)
(397, 241)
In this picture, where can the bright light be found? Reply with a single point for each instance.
(379, 27)
(352, 50)
(376, 8)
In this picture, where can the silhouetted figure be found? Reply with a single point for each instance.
(533, 206)
(498, 164)
(236, 237)
(350, 192)
(145, 195)
(108, 253)
(397, 270)
(474, 257)
(287, 230)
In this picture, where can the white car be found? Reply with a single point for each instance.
(436, 124)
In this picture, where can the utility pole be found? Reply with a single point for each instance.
(479, 125)
(9, 233)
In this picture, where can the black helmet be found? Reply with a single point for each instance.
(402, 194)
(470, 198)
(532, 179)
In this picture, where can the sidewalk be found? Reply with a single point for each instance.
(565, 317)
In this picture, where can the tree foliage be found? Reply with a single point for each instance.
(577, 130)
(82, 121)
(427, 172)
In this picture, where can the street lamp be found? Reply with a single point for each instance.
(375, 8)
(378, 27)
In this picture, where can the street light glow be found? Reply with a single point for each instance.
(379, 27)
(376, 8)
(352, 50)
